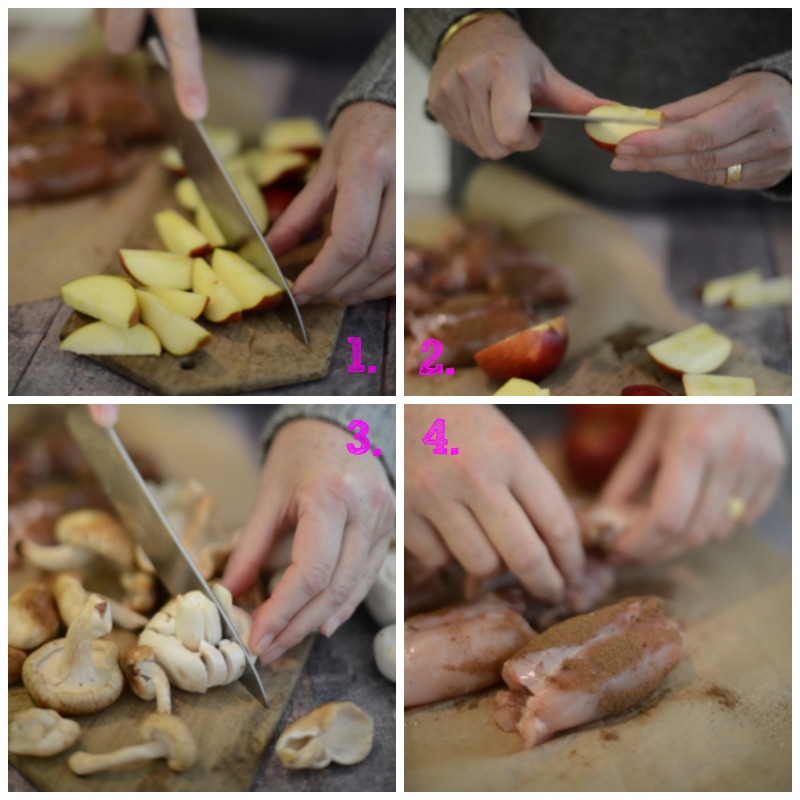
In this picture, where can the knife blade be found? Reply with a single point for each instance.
(213, 182)
(150, 529)
(537, 114)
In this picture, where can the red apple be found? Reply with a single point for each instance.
(607, 135)
(637, 389)
(593, 448)
(531, 354)
(278, 198)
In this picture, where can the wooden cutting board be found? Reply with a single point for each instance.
(231, 728)
(618, 287)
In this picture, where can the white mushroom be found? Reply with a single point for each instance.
(32, 617)
(339, 732)
(384, 646)
(215, 664)
(41, 732)
(235, 660)
(78, 674)
(196, 620)
(70, 597)
(184, 667)
(55, 557)
(146, 678)
(140, 590)
(16, 658)
(165, 736)
(381, 600)
(98, 531)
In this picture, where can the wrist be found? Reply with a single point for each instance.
(466, 21)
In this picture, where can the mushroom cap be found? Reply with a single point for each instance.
(384, 646)
(16, 658)
(180, 747)
(40, 674)
(41, 732)
(339, 732)
(32, 616)
(97, 531)
(134, 666)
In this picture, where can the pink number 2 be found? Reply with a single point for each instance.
(360, 429)
(428, 365)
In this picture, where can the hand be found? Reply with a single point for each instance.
(746, 120)
(123, 27)
(493, 505)
(342, 510)
(355, 176)
(701, 456)
(486, 80)
(105, 415)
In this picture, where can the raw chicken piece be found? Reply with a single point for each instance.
(587, 668)
(460, 649)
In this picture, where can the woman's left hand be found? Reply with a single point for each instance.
(745, 121)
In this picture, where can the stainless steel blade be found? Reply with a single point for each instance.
(215, 185)
(150, 529)
(536, 114)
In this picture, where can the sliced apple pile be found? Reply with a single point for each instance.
(607, 135)
(698, 349)
(518, 387)
(718, 386)
(531, 354)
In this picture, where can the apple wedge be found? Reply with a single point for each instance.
(104, 297)
(644, 389)
(251, 194)
(697, 349)
(718, 386)
(179, 235)
(268, 169)
(207, 225)
(177, 334)
(157, 268)
(607, 135)
(102, 339)
(771, 292)
(187, 195)
(531, 354)
(298, 134)
(223, 306)
(517, 387)
(171, 160)
(253, 289)
(188, 304)
(718, 291)
(226, 141)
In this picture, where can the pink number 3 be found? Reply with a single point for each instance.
(359, 429)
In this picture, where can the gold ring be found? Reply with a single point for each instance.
(735, 508)
(733, 174)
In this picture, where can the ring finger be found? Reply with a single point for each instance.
(466, 539)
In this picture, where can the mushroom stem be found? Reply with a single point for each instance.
(77, 663)
(89, 763)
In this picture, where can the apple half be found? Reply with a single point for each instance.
(177, 334)
(698, 349)
(179, 235)
(519, 387)
(102, 339)
(718, 386)
(157, 268)
(104, 297)
(608, 135)
(531, 354)
(251, 287)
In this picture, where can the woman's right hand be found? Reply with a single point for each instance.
(123, 27)
(487, 78)
(492, 506)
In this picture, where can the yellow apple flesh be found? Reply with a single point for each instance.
(102, 339)
(771, 292)
(188, 304)
(267, 169)
(223, 306)
(299, 134)
(252, 288)
(718, 291)
(608, 135)
(104, 297)
(518, 387)
(698, 349)
(207, 225)
(177, 334)
(157, 268)
(718, 386)
(179, 235)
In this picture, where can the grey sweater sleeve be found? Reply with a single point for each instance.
(375, 81)
(380, 418)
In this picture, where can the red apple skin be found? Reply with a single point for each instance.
(637, 389)
(609, 148)
(593, 449)
(199, 252)
(268, 303)
(278, 199)
(531, 354)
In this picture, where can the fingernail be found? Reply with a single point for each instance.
(264, 644)
(195, 105)
(627, 150)
(105, 416)
(330, 627)
(302, 299)
(622, 165)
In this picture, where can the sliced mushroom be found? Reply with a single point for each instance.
(339, 732)
(381, 600)
(235, 660)
(78, 674)
(70, 597)
(55, 557)
(16, 658)
(184, 667)
(32, 616)
(215, 664)
(384, 646)
(140, 590)
(98, 531)
(196, 620)
(146, 678)
(165, 737)
(41, 732)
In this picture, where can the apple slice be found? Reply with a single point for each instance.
(253, 289)
(517, 387)
(531, 354)
(608, 135)
(105, 297)
(226, 141)
(102, 339)
(207, 225)
(696, 349)
(177, 334)
(267, 169)
(771, 292)
(223, 305)
(718, 386)
(642, 389)
(187, 195)
(157, 268)
(299, 134)
(171, 160)
(188, 304)
(251, 194)
(179, 235)
(718, 291)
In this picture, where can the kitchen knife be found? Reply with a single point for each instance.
(213, 182)
(537, 114)
(150, 529)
